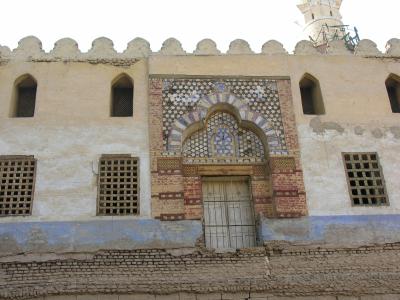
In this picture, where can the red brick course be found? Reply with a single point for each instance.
(277, 268)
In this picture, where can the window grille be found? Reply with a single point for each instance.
(365, 179)
(228, 213)
(118, 185)
(17, 175)
(122, 102)
(26, 101)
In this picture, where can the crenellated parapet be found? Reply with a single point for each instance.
(103, 51)
(393, 47)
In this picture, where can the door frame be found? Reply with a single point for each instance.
(227, 178)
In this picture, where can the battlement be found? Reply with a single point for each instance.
(102, 50)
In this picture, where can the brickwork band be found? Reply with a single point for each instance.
(229, 127)
(273, 270)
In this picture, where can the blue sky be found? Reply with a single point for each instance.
(189, 21)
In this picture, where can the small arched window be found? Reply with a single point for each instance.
(311, 96)
(312, 15)
(122, 97)
(24, 97)
(393, 90)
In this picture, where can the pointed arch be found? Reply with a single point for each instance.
(311, 95)
(24, 97)
(195, 119)
(393, 89)
(224, 135)
(122, 88)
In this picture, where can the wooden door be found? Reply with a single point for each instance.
(228, 213)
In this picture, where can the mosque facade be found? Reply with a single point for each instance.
(202, 175)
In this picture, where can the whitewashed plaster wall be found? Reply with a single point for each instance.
(358, 119)
(71, 129)
(326, 186)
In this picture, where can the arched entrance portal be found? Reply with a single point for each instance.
(223, 148)
(231, 137)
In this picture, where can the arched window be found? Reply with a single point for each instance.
(393, 90)
(223, 140)
(24, 97)
(122, 97)
(311, 96)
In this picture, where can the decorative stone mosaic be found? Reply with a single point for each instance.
(223, 141)
(182, 96)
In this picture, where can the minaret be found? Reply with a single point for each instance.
(323, 21)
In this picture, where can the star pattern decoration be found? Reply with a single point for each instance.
(181, 96)
(223, 141)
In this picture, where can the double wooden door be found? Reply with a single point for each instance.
(228, 213)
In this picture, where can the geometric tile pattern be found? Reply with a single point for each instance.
(262, 96)
(221, 133)
(175, 137)
(250, 145)
(283, 164)
(181, 96)
(223, 141)
(196, 145)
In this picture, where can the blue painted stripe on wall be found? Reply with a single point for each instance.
(94, 235)
(365, 229)
(19, 237)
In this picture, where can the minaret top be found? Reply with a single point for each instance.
(323, 2)
(321, 18)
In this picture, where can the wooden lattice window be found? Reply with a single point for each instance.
(365, 179)
(17, 175)
(118, 185)
(122, 97)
